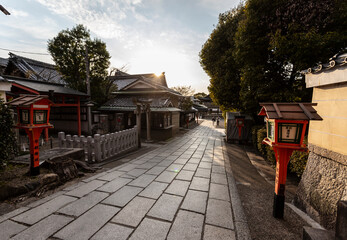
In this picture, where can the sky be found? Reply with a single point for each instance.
(145, 36)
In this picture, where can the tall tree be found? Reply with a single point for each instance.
(216, 58)
(267, 43)
(70, 49)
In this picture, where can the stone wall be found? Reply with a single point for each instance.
(322, 185)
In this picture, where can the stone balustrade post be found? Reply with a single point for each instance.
(68, 141)
(75, 141)
(103, 155)
(97, 145)
(90, 148)
(61, 137)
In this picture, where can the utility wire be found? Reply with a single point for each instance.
(23, 52)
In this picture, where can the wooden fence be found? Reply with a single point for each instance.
(101, 147)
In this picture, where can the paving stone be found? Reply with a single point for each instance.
(113, 231)
(219, 178)
(85, 188)
(9, 228)
(134, 212)
(36, 214)
(218, 169)
(217, 233)
(181, 160)
(136, 172)
(44, 228)
(206, 159)
(46, 199)
(154, 190)
(174, 167)
(187, 226)
(88, 224)
(92, 178)
(122, 196)
(83, 204)
(13, 213)
(110, 176)
(194, 160)
(165, 163)
(203, 172)
(220, 192)
(142, 181)
(166, 177)
(156, 170)
(205, 165)
(190, 166)
(201, 184)
(166, 207)
(178, 187)
(147, 165)
(127, 167)
(219, 213)
(185, 175)
(114, 185)
(151, 229)
(195, 201)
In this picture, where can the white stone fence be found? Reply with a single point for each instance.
(101, 147)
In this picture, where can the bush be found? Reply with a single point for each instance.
(8, 144)
(261, 134)
(298, 159)
(298, 162)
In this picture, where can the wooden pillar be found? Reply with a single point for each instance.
(148, 122)
(79, 116)
(138, 123)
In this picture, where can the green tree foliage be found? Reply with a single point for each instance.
(256, 51)
(8, 143)
(68, 50)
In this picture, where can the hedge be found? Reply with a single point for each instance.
(298, 159)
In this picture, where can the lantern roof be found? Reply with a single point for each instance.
(289, 111)
(27, 100)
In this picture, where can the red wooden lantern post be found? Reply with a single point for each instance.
(33, 116)
(286, 125)
(240, 123)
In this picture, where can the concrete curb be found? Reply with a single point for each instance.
(240, 220)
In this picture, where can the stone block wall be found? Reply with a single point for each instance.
(322, 185)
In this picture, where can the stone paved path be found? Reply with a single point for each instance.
(182, 190)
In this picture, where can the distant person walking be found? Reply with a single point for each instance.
(213, 120)
(218, 119)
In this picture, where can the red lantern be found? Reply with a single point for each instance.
(33, 116)
(286, 125)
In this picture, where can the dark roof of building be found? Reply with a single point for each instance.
(35, 70)
(158, 82)
(44, 87)
(337, 60)
(289, 111)
(3, 62)
(206, 99)
(127, 104)
(200, 107)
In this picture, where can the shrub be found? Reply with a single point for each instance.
(261, 134)
(298, 162)
(8, 144)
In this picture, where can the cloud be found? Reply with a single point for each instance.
(18, 13)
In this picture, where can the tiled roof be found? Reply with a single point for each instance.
(36, 70)
(334, 62)
(44, 87)
(3, 62)
(127, 104)
(26, 100)
(158, 82)
(289, 111)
